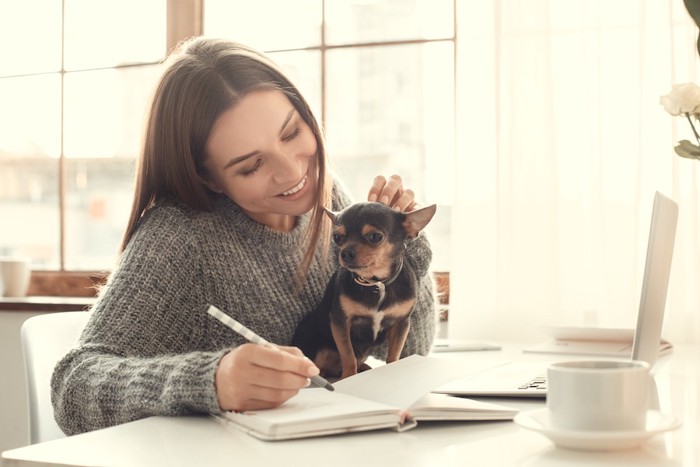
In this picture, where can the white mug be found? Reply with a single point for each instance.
(598, 395)
(15, 273)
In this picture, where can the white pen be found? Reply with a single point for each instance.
(254, 338)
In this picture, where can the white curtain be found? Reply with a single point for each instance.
(561, 144)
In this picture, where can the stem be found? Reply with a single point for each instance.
(690, 120)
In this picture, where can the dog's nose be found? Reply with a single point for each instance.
(348, 255)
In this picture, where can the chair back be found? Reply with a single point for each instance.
(45, 340)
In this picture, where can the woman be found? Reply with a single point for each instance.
(228, 210)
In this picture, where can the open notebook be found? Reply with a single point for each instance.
(395, 396)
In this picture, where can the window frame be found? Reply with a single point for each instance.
(184, 19)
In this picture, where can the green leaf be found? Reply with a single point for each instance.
(687, 149)
(693, 7)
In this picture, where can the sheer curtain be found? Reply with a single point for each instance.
(561, 145)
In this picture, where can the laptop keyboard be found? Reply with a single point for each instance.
(538, 382)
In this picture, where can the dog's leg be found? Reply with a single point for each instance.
(328, 361)
(396, 338)
(341, 335)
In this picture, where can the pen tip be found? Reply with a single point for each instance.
(329, 387)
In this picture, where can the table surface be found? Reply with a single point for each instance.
(176, 441)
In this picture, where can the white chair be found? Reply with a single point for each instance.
(45, 340)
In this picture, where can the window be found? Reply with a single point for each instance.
(379, 75)
(73, 97)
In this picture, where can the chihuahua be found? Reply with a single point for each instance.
(370, 297)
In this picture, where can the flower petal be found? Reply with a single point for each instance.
(683, 98)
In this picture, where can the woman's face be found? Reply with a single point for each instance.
(263, 155)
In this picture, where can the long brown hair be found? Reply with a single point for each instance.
(203, 78)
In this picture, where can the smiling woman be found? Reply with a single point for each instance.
(271, 183)
(235, 105)
(251, 237)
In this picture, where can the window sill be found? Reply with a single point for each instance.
(45, 304)
(55, 291)
(66, 284)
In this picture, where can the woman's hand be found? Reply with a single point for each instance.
(254, 377)
(392, 193)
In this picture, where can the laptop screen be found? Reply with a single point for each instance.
(657, 271)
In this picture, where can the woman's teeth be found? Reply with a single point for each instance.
(296, 188)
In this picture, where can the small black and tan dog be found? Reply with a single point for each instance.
(369, 299)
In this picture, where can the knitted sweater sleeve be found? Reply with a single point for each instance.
(424, 316)
(143, 350)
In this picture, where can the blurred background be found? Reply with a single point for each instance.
(534, 125)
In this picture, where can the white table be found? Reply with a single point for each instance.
(203, 441)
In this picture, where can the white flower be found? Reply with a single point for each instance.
(683, 99)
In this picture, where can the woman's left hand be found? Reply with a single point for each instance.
(392, 193)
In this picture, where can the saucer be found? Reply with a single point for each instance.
(538, 420)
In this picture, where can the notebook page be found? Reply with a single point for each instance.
(402, 383)
(315, 411)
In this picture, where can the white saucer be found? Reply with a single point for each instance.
(538, 420)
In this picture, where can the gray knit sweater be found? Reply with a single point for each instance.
(149, 348)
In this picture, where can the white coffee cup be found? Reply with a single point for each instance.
(15, 273)
(598, 395)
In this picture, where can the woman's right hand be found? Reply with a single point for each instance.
(252, 377)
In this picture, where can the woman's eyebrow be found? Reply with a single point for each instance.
(287, 119)
(236, 160)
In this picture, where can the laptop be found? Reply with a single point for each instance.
(528, 379)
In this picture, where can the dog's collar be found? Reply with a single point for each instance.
(379, 284)
(368, 282)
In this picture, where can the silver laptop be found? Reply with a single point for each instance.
(528, 379)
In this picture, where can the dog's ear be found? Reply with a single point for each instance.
(418, 219)
(333, 216)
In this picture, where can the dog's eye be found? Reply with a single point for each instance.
(337, 238)
(375, 237)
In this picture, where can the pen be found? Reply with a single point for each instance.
(254, 338)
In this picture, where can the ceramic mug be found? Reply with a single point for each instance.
(15, 273)
(598, 395)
